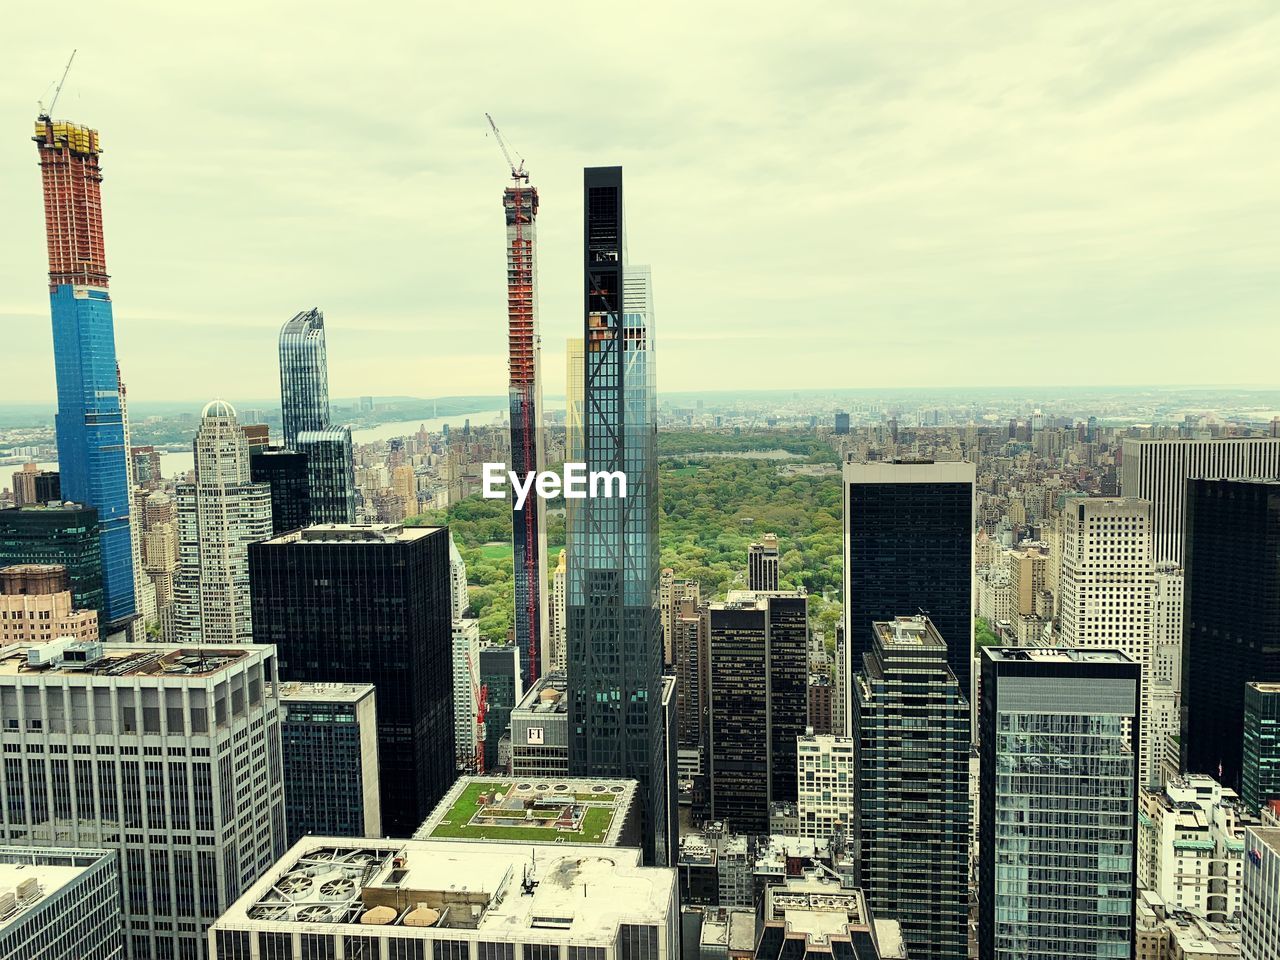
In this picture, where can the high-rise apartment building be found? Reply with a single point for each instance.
(762, 563)
(1108, 598)
(32, 486)
(1260, 753)
(468, 745)
(329, 737)
(1158, 470)
(89, 426)
(285, 473)
(911, 796)
(60, 904)
(1231, 614)
(615, 638)
(304, 376)
(459, 595)
(825, 778)
(1166, 644)
(758, 703)
(528, 523)
(908, 530)
(62, 534)
(36, 606)
(168, 755)
(671, 594)
(1027, 568)
(370, 604)
(330, 474)
(1058, 796)
(556, 629)
(219, 515)
(691, 624)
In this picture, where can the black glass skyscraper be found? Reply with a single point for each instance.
(1231, 615)
(331, 477)
(908, 548)
(65, 534)
(285, 471)
(370, 604)
(304, 376)
(614, 635)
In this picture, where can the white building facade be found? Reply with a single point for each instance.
(825, 786)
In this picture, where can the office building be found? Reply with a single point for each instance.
(1260, 928)
(814, 915)
(842, 424)
(1108, 599)
(502, 678)
(528, 523)
(1260, 755)
(1058, 795)
(285, 474)
(1166, 644)
(60, 904)
(330, 474)
(451, 899)
(540, 730)
(304, 376)
(757, 704)
(89, 426)
(219, 515)
(1231, 615)
(60, 534)
(364, 604)
(168, 755)
(614, 635)
(826, 779)
(36, 605)
(911, 791)
(762, 563)
(908, 548)
(32, 486)
(1158, 470)
(1191, 846)
(329, 737)
(468, 732)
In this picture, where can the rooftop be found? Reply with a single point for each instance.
(341, 692)
(531, 810)
(504, 890)
(548, 695)
(34, 875)
(1263, 686)
(1055, 655)
(79, 658)
(354, 533)
(913, 631)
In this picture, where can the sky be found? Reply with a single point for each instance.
(842, 194)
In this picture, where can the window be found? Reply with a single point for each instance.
(450, 950)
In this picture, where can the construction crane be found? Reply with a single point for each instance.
(58, 92)
(475, 764)
(517, 172)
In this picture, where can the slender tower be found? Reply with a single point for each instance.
(92, 458)
(528, 524)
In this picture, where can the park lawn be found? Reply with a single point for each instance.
(494, 550)
(688, 471)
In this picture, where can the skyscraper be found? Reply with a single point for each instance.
(528, 524)
(65, 534)
(1158, 470)
(911, 795)
(219, 515)
(285, 472)
(1057, 827)
(331, 475)
(615, 640)
(89, 426)
(762, 563)
(908, 528)
(304, 376)
(1260, 767)
(370, 604)
(1231, 615)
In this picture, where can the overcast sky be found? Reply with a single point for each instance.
(848, 194)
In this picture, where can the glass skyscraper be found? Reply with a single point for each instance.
(1058, 793)
(614, 636)
(1260, 767)
(89, 425)
(331, 477)
(304, 376)
(65, 534)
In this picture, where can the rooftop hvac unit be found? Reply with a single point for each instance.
(28, 887)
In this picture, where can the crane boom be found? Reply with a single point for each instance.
(58, 92)
(517, 172)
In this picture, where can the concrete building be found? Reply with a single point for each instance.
(60, 904)
(168, 755)
(62, 534)
(1260, 757)
(821, 711)
(1191, 846)
(911, 786)
(468, 741)
(1108, 598)
(826, 778)
(555, 615)
(35, 606)
(453, 900)
(32, 486)
(762, 563)
(814, 916)
(329, 734)
(219, 515)
(459, 594)
(540, 730)
(1158, 471)
(1058, 792)
(1166, 667)
(1260, 928)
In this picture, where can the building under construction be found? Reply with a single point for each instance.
(90, 426)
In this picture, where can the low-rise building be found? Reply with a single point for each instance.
(60, 904)
(540, 730)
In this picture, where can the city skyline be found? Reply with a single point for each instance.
(1053, 188)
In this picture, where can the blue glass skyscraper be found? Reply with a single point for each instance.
(89, 425)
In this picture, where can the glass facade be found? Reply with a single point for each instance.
(614, 635)
(304, 376)
(1058, 820)
(58, 535)
(1260, 770)
(330, 474)
(500, 671)
(324, 765)
(285, 471)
